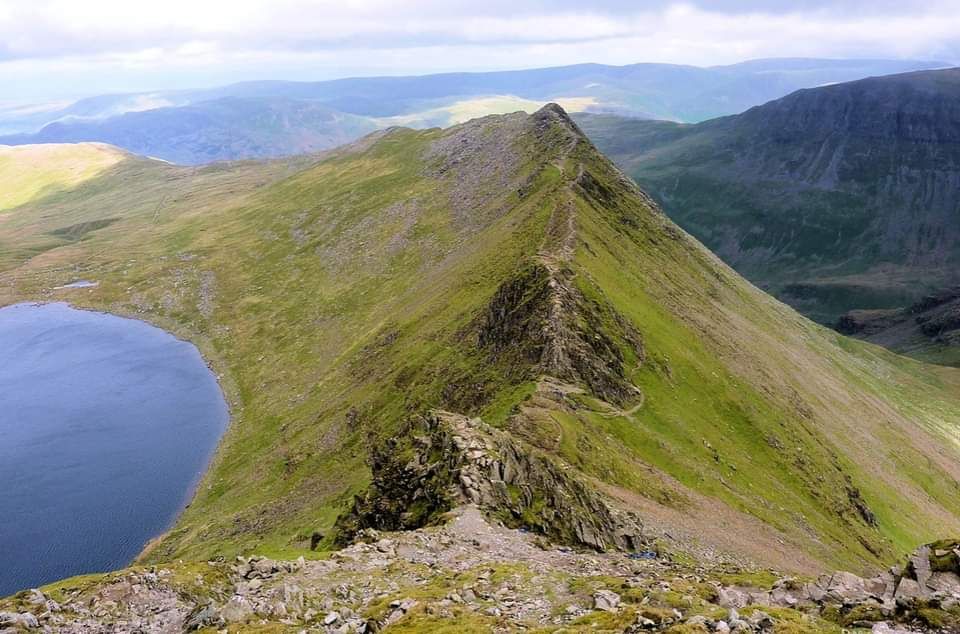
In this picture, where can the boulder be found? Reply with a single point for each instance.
(947, 583)
(908, 589)
(203, 616)
(920, 565)
(881, 587)
(22, 620)
(236, 610)
(845, 587)
(331, 618)
(606, 600)
(732, 598)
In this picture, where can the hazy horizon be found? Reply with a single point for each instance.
(55, 50)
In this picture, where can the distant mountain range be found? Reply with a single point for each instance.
(274, 118)
(222, 129)
(834, 198)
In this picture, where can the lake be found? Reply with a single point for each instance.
(106, 425)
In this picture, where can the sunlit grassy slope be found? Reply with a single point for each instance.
(338, 295)
(30, 171)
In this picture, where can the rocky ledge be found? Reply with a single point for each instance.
(476, 575)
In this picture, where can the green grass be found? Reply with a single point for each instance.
(338, 296)
(28, 172)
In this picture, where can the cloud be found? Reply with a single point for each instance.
(214, 40)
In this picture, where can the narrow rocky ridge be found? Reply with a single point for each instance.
(445, 460)
(540, 321)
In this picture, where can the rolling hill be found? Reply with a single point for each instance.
(279, 118)
(29, 172)
(834, 198)
(495, 310)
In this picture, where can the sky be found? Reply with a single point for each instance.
(58, 49)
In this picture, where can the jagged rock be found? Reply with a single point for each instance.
(782, 596)
(881, 587)
(945, 582)
(606, 600)
(732, 598)
(843, 587)
(236, 610)
(540, 319)
(761, 620)
(21, 619)
(203, 616)
(885, 628)
(698, 621)
(331, 618)
(920, 565)
(908, 589)
(449, 459)
(36, 597)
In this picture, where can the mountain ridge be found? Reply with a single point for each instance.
(833, 198)
(197, 126)
(342, 295)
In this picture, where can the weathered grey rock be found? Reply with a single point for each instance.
(236, 610)
(331, 618)
(36, 597)
(908, 589)
(845, 587)
(18, 619)
(606, 600)
(761, 620)
(945, 582)
(698, 621)
(885, 628)
(206, 616)
(920, 565)
(784, 597)
(732, 598)
(459, 460)
(881, 587)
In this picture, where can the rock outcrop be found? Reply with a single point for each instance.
(923, 592)
(446, 460)
(930, 326)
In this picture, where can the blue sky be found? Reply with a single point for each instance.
(51, 49)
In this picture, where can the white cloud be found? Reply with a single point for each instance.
(191, 41)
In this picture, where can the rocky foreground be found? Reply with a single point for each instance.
(472, 574)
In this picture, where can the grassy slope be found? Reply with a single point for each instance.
(28, 172)
(337, 296)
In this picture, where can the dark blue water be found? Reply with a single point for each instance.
(106, 425)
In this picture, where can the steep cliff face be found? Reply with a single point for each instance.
(833, 198)
(928, 329)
